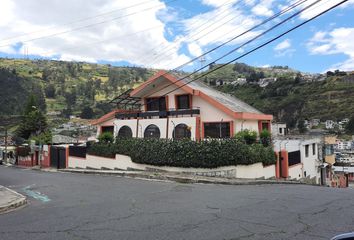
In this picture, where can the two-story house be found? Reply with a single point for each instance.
(166, 106)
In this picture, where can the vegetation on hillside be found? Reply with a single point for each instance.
(64, 88)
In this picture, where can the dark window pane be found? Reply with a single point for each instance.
(294, 158)
(181, 131)
(265, 126)
(306, 150)
(125, 132)
(152, 131)
(217, 130)
(313, 148)
(156, 104)
(108, 129)
(183, 102)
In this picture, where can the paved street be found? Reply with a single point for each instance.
(76, 206)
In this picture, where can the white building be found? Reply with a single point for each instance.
(330, 124)
(169, 107)
(303, 157)
(344, 145)
(279, 129)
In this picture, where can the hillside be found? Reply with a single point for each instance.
(294, 95)
(64, 88)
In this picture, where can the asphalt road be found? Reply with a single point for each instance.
(75, 206)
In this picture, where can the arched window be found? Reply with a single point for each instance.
(152, 131)
(181, 131)
(125, 132)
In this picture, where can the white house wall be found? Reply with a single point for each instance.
(189, 121)
(120, 123)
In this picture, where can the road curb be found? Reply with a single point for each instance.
(179, 179)
(19, 202)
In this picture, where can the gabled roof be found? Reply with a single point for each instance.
(225, 102)
(106, 117)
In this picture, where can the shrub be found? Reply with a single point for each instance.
(186, 153)
(265, 138)
(106, 137)
(247, 136)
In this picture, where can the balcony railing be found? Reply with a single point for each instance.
(160, 114)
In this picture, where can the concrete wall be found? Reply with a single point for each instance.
(295, 171)
(123, 162)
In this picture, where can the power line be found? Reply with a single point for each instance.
(90, 25)
(259, 46)
(285, 10)
(77, 21)
(247, 42)
(179, 40)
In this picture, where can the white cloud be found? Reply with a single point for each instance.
(283, 45)
(118, 43)
(263, 8)
(284, 49)
(320, 7)
(195, 49)
(217, 3)
(337, 41)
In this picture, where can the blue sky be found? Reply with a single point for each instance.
(166, 34)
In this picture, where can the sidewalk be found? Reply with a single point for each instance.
(10, 199)
(181, 178)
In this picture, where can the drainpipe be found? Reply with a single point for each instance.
(167, 119)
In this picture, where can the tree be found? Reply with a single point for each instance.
(349, 128)
(301, 126)
(87, 113)
(33, 121)
(50, 91)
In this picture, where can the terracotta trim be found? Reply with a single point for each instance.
(197, 128)
(67, 157)
(232, 133)
(167, 102)
(184, 94)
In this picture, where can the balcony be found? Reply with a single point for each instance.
(160, 114)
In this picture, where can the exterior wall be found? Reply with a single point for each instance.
(162, 123)
(123, 162)
(189, 121)
(45, 156)
(276, 127)
(26, 161)
(295, 171)
(104, 124)
(170, 96)
(246, 124)
(310, 164)
(132, 123)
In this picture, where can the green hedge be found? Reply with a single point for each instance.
(186, 153)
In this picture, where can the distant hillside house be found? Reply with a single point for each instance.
(192, 110)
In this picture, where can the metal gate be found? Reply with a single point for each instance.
(57, 157)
